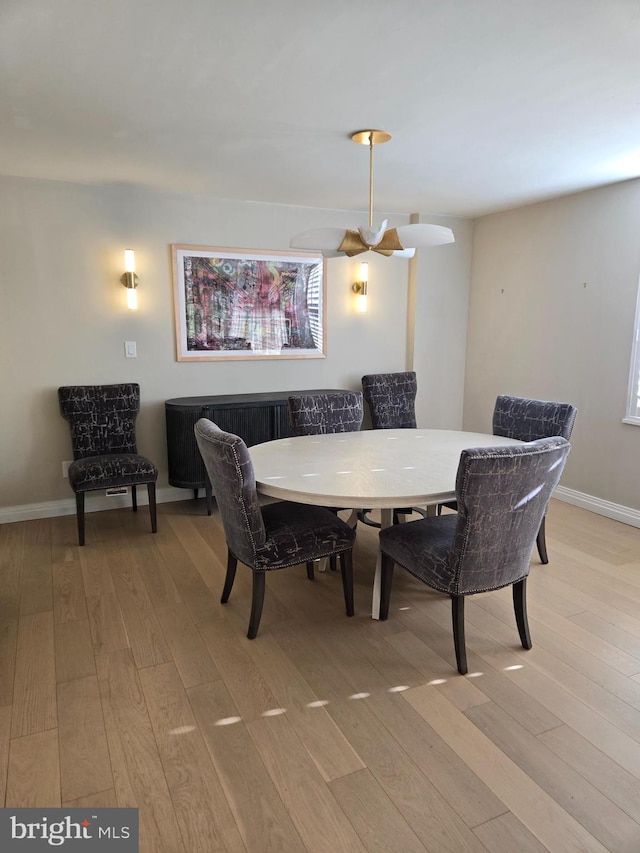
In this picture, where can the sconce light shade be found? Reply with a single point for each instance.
(360, 287)
(129, 278)
(132, 299)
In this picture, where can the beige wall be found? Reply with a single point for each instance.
(64, 318)
(534, 329)
(551, 316)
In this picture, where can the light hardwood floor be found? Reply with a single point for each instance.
(124, 681)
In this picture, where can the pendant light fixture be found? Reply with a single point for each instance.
(403, 240)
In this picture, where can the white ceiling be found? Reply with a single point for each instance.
(491, 103)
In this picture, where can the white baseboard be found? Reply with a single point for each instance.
(625, 514)
(94, 503)
(97, 503)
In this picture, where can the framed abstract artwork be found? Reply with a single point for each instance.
(243, 304)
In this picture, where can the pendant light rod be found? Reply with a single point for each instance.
(370, 138)
(370, 180)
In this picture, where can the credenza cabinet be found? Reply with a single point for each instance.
(254, 417)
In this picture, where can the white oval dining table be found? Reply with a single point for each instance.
(370, 469)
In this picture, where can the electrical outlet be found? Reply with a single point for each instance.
(65, 469)
(116, 490)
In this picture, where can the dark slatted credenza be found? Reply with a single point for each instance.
(254, 417)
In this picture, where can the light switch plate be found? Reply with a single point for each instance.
(130, 349)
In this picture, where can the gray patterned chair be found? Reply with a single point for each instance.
(272, 537)
(502, 494)
(391, 398)
(318, 414)
(529, 420)
(103, 438)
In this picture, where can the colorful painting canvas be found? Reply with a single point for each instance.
(240, 304)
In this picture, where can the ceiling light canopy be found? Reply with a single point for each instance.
(403, 241)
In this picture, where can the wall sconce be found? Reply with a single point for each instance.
(129, 278)
(360, 287)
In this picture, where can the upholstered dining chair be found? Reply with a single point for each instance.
(502, 494)
(391, 399)
(270, 537)
(103, 439)
(529, 420)
(321, 414)
(318, 414)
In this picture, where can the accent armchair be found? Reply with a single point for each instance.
(502, 494)
(391, 398)
(529, 420)
(102, 421)
(318, 414)
(271, 537)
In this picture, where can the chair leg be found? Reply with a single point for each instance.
(80, 516)
(134, 499)
(257, 600)
(541, 542)
(346, 564)
(457, 613)
(386, 580)
(520, 609)
(151, 491)
(333, 564)
(310, 573)
(232, 564)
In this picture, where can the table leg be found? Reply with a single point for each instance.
(386, 520)
(352, 519)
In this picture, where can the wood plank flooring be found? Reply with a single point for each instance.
(124, 681)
